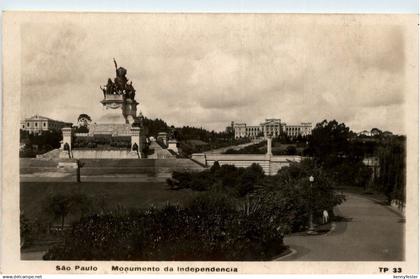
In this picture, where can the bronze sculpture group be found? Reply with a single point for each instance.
(120, 85)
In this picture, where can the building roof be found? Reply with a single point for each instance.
(40, 117)
(303, 124)
(269, 121)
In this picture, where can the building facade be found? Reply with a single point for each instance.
(240, 130)
(303, 129)
(37, 124)
(271, 126)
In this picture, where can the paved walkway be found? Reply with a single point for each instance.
(234, 147)
(369, 232)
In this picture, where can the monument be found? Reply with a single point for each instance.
(118, 133)
(119, 101)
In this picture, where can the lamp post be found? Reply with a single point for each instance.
(311, 229)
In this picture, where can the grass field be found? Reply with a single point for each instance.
(111, 194)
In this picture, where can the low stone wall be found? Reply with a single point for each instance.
(278, 162)
(200, 158)
(81, 134)
(270, 164)
(103, 154)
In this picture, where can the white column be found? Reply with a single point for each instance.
(269, 139)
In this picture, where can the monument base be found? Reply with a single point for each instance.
(113, 129)
(173, 145)
(112, 116)
(105, 154)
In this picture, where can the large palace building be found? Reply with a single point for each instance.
(271, 126)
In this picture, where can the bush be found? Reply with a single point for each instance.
(81, 129)
(239, 181)
(91, 145)
(27, 152)
(291, 150)
(208, 229)
(353, 173)
(26, 231)
(258, 148)
(298, 195)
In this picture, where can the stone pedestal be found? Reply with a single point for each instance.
(119, 110)
(173, 145)
(130, 110)
(67, 141)
(137, 138)
(67, 137)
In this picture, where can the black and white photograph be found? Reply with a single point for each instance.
(269, 139)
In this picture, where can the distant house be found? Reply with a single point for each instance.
(37, 124)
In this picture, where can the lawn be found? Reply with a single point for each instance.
(280, 147)
(111, 194)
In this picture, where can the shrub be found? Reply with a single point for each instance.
(26, 231)
(291, 150)
(91, 145)
(239, 181)
(209, 228)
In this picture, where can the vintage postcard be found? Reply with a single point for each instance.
(209, 143)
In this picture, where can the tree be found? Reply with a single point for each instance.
(154, 126)
(84, 116)
(215, 167)
(25, 230)
(291, 150)
(329, 141)
(58, 206)
(249, 179)
(335, 148)
(375, 132)
(300, 195)
(392, 176)
(82, 129)
(83, 121)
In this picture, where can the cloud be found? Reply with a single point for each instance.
(210, 69)
(52, 54)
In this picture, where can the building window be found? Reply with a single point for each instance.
(27, 124)
(45, 124)
(36, 124)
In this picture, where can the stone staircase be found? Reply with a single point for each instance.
(107, 169)
(129, 166)
(50, 155)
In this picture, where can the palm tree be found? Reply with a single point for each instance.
(59, 206)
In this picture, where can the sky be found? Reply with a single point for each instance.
(206, 70)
